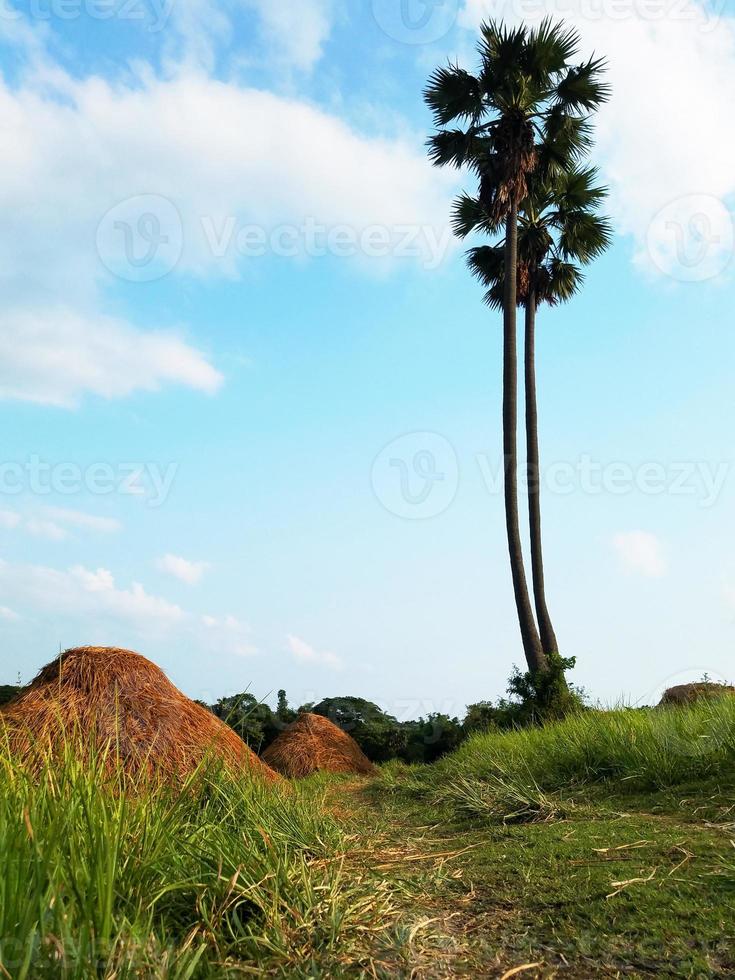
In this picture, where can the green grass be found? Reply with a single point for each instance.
(599, 846)
(108, 878)
(535, 773)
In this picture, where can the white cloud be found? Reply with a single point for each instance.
(233, 634)
(305, 653)
(667, 64)
(45, 529)
(131, 174)
(190, 572)
(641, 552)
(80, 519)
(293, 32)
(728, 591)
(52, 522)
(81, 591)
(8, 615)
(297, 29)
(234, 160)
(85, 603)
(204, 34)
(53, 356)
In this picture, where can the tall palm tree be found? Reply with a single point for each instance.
(560, 230)
(523, 110)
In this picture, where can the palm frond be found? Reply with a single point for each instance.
(453, 93)
(495, 296)
(582, 88)
(549, 49)
(487, 263)
(469, 215)
(566, 139)
(456, 148)
(561, 281)
(501, 47)
(584, 236)
(577, 189)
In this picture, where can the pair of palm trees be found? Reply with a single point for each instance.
(521, 125)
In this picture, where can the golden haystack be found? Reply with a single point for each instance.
(689, 693)
(113, 701)
(314, 744)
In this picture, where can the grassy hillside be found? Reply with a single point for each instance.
(613, 751)
(600, 846)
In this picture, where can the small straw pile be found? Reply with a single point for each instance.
(107, 702)
(314, 744)
(690, 693)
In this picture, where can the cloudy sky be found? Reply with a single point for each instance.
(250, 396)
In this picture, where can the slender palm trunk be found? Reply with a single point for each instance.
(548, 637)
(529, 634)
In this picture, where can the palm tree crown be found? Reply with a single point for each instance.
(525, 109)
(559, 230)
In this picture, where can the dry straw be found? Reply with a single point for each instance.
(107, 701)
(686, 694)
(314, 744)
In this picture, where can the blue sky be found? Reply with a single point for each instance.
(251, 397)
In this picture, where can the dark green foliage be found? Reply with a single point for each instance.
(432, 737)
(541, 697)
(7, 693)
(253, 721)
(480, 717)
(533, 699)
(284, 714)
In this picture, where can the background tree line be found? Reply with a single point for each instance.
(382, 737)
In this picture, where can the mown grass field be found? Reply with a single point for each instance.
(601, 846)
